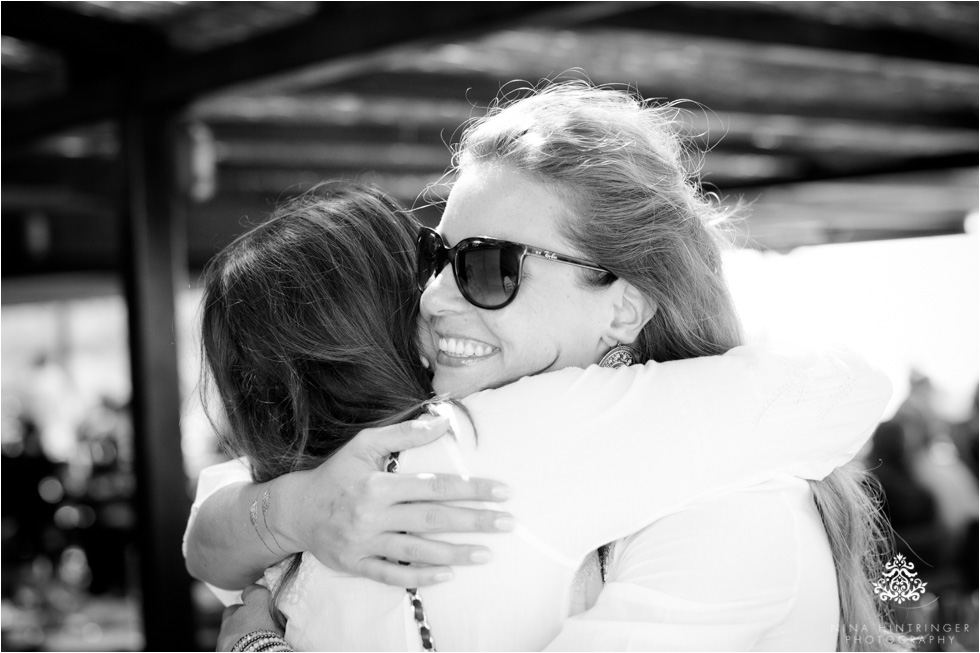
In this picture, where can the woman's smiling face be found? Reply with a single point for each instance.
(556, 320)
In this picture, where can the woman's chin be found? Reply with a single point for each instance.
(459, 382)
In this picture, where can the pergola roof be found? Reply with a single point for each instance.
(863, 114)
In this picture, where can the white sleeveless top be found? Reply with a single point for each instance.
(597, 455)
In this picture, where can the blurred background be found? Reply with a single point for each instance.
(143, 136)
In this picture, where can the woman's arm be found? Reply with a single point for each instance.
(597, 454)
(222, 551)
(594, 455)
(347, 513)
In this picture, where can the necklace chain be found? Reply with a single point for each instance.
(418, 611)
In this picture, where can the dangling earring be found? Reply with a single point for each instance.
(619, 356)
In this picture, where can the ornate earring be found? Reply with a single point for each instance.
(619, 356)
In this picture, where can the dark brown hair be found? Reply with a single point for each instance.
(309, 328)
(309, 332)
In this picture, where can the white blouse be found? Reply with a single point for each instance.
(700, 459)
(746, 570)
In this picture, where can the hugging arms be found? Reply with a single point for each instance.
(572, 229)
(582, 477)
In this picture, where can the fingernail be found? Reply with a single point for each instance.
(480, 556)
(501, 492)
(504, 523)
(432, 421)
(443, 576)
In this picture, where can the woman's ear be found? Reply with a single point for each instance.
(631, 312)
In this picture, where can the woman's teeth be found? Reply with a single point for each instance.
(459, 347)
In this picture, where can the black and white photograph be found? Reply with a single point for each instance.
(490, 326)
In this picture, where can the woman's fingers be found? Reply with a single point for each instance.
(403, 488)
(256, 594)
(400, 547)
(439, 518)
(407, 435)
(377, 444)
(354, 509)
(251, 615)
(392, 573)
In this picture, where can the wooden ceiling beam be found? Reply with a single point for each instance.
(788, 236)
(875, 99)
(77, 35)
(274, 182)
(327, 134)
(88, 174)
(55, 198)
(878, 197)
(339, 109)
(771, 23)
(349, 155)
(330, 117)
(889, 167)
(726, 171)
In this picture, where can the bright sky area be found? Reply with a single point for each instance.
(902, 303)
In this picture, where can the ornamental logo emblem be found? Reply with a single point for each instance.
(899, 582)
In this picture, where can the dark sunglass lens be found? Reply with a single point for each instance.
(488, 275)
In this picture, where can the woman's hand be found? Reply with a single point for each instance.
(250, 616)
(357, 519)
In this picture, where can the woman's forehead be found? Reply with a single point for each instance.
(500, 202)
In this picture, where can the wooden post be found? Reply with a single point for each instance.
(155, 260)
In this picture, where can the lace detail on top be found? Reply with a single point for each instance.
(297, 588)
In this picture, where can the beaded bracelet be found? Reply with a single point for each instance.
(259, 641)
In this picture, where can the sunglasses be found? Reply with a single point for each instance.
(487, 270)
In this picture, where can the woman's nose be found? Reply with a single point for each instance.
(442, 295)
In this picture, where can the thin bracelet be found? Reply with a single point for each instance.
(253, 516)
(266, 501)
